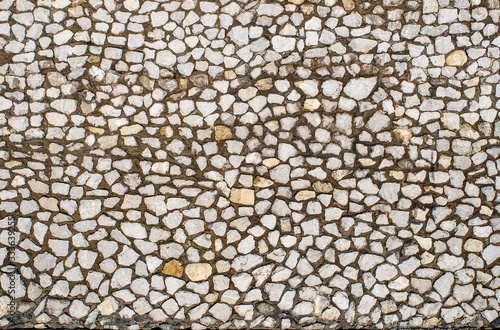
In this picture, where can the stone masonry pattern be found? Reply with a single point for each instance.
(312, 164)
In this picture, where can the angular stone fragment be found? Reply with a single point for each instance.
(304, 195)
(198, 271)
(173, 268)
(360, 88)
(362, 45)
(242, 196)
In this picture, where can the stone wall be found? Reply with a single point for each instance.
(249, 164)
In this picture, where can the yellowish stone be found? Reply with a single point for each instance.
(304, 195)
(312, 104)
(262, 182)
(167, 131)
(198, 272)
(271, 162)
(173, 268)
(95, 130)
(12, 163)
(296, 2)
(75, 11)
(107, 142)
(399, 175)
(230, 75)
(245, 311)
(451, 302)
(403, 134)
(348, 4)
(222, 133)
(108, 306)
(183, 83)
(424, 242)
(420, 214)
(456, 58)
(473, 245)
(432, 322)
(242, 196)
(93, 59)
(211, 297)
(264, 84)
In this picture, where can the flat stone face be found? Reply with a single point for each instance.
(272, 164)
(198, 272)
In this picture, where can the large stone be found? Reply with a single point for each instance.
(360, 88)
(108, 306)
(362, 45)
(198, 271)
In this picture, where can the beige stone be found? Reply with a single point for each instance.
(56, 79)
(426, 258)
(424, 242)
(271, 162)
(430, 6)
(366, 161)
(242, 196)
(131, 130)
(264, 84)
(95, 130)
(167, 131)
(456, 58)
(198, 272)
(304, 195)
(403, 134)
(473, 245)
(230, 75)
(322, 187)
(107, 142)
(331, 314)
(348, 4)
(312, 104)
(173, 268)
(93, 59)
(108, 306)
(420, 214)
(222, 133)
(399, 175)
(262, 182)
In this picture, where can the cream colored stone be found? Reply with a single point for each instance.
(108, 306)
(473, 245)
(366, 161)
(398, 175)
(242, 196)
(131, 130)
(426, 258)
(312, 104)
(424, 242)
(331, 314)
(304, 195)
(456, 58)
(264, 84)
(430, 6)
(167, 131)
(198, 271)
(271, 162)
(262, 182)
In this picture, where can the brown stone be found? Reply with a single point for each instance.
(403, 134)
(173, 268)
(264, 84)
(222, 133)
(93, 59)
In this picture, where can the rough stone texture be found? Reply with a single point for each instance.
(249, 164)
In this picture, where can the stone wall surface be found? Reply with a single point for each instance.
(249, 164)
